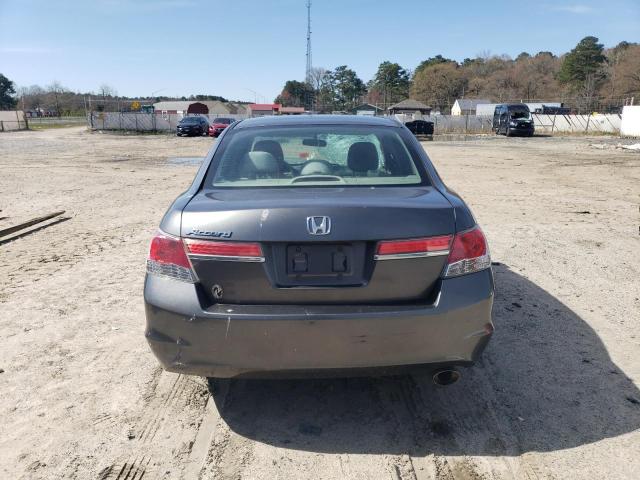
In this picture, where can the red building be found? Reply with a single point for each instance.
(262, 109)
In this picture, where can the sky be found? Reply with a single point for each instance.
(247, 49)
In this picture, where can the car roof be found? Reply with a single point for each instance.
(300, 120)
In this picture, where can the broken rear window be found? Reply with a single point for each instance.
(315, 155)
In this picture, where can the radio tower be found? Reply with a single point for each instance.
(308, 72)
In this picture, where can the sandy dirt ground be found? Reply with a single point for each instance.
(555, 396)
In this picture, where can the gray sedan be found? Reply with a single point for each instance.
(318, 245)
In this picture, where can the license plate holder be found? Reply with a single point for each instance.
(320, 260)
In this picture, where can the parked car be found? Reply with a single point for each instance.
(218, 125)
(513, 119)
(420, 127)
(192, 126)
(318, 245)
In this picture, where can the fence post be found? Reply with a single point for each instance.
(1, 126)
(586, 130)
(553, 124)
(135, 115)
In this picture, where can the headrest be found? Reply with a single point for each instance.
(316, 168)
(256, 163)
(270, 146)
(362, 157)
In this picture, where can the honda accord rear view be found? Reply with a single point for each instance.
(317, 245)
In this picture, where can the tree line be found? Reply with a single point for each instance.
(587, 78)
(57, 100)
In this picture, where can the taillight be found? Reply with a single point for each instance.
(469, 253)
(417, 247)
(168, 258)
(231, 251)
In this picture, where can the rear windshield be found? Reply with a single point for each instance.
(190, 120)
(314, 155)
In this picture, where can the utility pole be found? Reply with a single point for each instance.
(255, 95)
(309, 95)
(309, 60)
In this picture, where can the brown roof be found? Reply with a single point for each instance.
(409, 104)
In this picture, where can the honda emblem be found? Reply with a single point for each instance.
(319, 225)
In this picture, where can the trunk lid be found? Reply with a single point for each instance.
(333, 268)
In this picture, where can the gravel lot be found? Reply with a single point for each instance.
(556, 395)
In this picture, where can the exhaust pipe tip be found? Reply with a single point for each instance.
(446, 376)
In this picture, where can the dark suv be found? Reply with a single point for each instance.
(192, 126)
(513, 119)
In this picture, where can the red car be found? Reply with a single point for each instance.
(218, 125)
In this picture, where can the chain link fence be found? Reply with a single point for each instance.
(548, 124)
(52, 122)
(443, 124)
(144, 122)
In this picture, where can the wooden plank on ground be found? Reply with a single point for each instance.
(9, 230)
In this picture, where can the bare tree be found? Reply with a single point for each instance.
(105, 91)
(318, 77)
(57, 89)
(35, 95)
(21, 93)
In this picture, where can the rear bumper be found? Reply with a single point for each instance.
(291, 340)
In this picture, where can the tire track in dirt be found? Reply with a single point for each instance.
(228, 453)
(505, 439)
(473, 425)
(439, 440)
(166, 432)
(394, 395)
(66, 250)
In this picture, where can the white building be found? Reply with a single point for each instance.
(467, 106)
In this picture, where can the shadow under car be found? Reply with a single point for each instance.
(545, 383)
